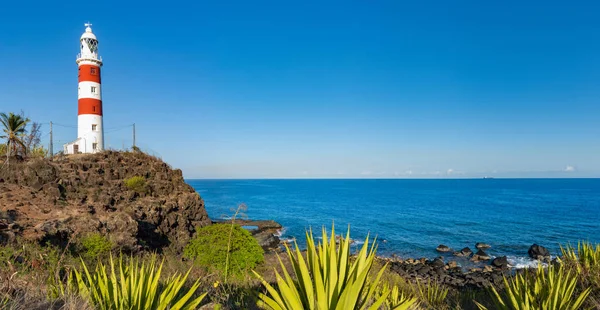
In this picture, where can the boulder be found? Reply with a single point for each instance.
(443, 249)
(480, 256)
(482, 246)
(538, 252)
(500, 262)
(464, 252)
(437, 263)
(267, 240)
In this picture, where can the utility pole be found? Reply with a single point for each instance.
(51, 144)
(133, 135)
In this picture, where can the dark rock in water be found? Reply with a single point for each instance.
(481, 245)
(480, 256)
(452, 264)
(267, 240)
(500, 262)
(451, 275)
(538, 252)
(464, 252)
(442, 248)
(438, 263)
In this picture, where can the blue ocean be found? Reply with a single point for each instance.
(412, 217)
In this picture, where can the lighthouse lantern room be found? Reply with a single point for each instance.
(90, 128)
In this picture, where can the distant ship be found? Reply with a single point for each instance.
(486, 177)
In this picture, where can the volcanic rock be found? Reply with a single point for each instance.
(464, 252)
(482, 246)
(500, 262)
(480, 256)
(442, 248)
(539, 252)
(69, 196)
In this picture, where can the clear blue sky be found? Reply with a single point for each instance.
(253, 89)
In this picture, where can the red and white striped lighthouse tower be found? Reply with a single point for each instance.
(90, 129)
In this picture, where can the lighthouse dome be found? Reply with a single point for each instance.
(88, 34)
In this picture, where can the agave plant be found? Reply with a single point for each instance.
(133, 287)
(551, 289)
(432, 293)
(396, 300)
(586, 258)
(328, 278)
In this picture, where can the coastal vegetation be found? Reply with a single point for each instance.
(123, 230)
(21, 136)
(229, 249)
(329, 279)
(325, 275)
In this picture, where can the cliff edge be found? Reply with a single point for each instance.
(137, 200)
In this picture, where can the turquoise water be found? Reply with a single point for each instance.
(411, 217)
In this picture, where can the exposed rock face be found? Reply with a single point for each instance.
(539, 252)
(53, 201)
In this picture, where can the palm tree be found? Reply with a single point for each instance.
(14, 130)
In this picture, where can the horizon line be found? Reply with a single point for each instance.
(384, 178)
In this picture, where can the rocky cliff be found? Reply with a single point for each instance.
(73, 195)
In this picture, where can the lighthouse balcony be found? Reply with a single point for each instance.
(89, 58)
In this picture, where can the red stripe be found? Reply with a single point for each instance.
(89, 73)
(90, 106)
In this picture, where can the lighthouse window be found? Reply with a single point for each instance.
(93, 89)
(93, 71)
(94, 127)
(94, 146)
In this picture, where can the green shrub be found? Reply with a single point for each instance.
(136, 183)
(95, 245)
(224, 247)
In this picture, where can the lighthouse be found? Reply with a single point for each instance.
(90, 128)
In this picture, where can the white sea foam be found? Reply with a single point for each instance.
(280, 232)
(520, 262)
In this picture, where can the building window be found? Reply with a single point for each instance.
(94, 125)
(93, 71)
(94, 146)
(93, 89)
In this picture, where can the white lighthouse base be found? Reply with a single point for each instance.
(90, 136)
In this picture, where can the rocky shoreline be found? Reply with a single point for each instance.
(462, 270)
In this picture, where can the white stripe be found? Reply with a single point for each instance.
(89, 134)
(89, 90)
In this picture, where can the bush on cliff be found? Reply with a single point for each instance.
(94, 246)
(211, 245)
(136, 183)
